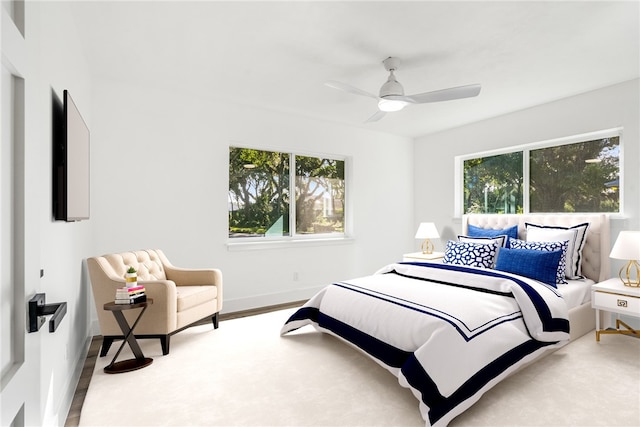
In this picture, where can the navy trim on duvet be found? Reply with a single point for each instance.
(439, 405)
(550, 324)
(411, 367)
(424, 367)
(432, 311)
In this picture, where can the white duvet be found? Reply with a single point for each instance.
(449, 333)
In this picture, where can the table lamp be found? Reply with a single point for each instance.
(426, 231)
(627, 247)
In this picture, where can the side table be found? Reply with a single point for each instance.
(140, 361)
(611, 295)
(422, 257)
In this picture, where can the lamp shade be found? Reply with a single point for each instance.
(627, 246)
(427, 230)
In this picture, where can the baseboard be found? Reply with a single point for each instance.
(267, 300)
(67, 400)
(95, 327)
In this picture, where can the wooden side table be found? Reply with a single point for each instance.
(140, 361)
(611, 295)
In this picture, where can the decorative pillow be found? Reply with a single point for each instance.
(576, 236)
(470, 254)
(499, 241)
(538, 265)
(473, 231)
(546, 246)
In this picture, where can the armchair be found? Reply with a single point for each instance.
(181, 297)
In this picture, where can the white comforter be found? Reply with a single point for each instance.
(448, 333)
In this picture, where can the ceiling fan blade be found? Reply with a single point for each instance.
(377, 116)
(459, 92)
(348, 88)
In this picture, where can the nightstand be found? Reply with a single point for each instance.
(611, 295)
(422, 257)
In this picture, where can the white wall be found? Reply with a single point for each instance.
(160, 180)
(62, 246)
(605, 108)
(45, 382)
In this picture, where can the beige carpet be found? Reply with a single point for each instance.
(245, 374)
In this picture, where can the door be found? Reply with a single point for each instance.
(19, 381)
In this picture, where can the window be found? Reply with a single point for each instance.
(494, 184)
(261, 186)
(578, 174)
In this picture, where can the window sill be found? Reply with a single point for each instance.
(289, 243)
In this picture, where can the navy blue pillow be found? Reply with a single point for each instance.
(473, 231)
(546, 246)
(538, 265)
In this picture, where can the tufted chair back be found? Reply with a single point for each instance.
(147, 263)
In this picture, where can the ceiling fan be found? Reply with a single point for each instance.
(392, 97)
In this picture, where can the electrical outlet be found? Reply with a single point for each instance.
(296, 276)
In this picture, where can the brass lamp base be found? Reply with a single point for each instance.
(427, 247)
(630, 270)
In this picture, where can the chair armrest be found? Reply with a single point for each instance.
(164, 295)
(204, 276)
(189, 276)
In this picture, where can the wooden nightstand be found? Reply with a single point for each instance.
(611, 295)
(420, 257)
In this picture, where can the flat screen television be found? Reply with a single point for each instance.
(71, 163)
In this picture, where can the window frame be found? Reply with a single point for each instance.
(294, 239)
(526, 151)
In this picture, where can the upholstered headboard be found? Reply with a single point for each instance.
(595, 254)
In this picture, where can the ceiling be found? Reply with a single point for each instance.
(277, 55)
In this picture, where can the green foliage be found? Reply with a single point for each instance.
(575, 177)
(493, 184)
(259, 193)
(258, 188)
(131, 270)
(315, 179)
(580, 177)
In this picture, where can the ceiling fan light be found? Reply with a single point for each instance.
(390, 105)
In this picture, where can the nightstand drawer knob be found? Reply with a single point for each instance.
(622, 303)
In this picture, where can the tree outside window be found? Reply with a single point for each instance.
(493, 184)
(258, 193)
(576, 177)
(260, 187)
(581, 177)
(319, 195)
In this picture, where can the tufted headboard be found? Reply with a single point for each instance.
(595, 254)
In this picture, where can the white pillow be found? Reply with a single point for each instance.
(576, 236)
(501, 240)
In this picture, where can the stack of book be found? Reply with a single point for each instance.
(132, 295)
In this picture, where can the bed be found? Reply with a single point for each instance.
(595, 254)
(451, 331)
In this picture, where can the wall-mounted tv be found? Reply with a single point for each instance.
(70, 162)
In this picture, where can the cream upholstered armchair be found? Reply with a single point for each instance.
(181, 297)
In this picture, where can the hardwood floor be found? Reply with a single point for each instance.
(73, 418)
